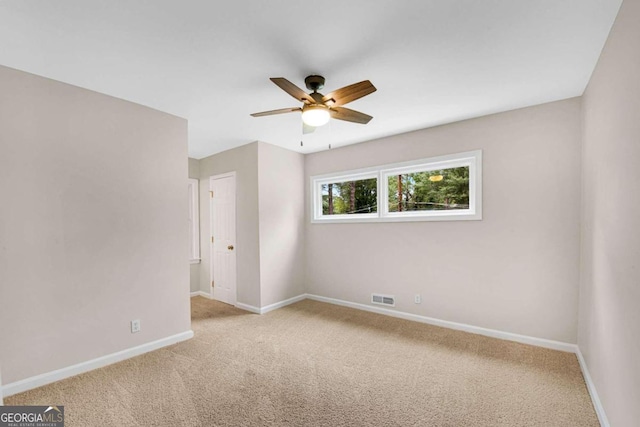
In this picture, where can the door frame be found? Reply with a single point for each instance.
(210, 243)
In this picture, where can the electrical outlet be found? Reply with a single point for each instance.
(135, 326)
(417, 299)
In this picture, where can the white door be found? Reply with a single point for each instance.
(223, 237)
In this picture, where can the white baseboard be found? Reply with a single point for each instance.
(200, 294)
(70, 371)
(281, 304)
(248, 307)
(270, 307)
(597, 404)
(524, 339)
(252, 308)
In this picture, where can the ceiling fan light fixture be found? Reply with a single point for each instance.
(315, 115)
(318, 109)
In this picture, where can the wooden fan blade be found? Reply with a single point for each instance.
(348, 115)
(272, 112)
(349, 93)
(307, 129)
(293, 90)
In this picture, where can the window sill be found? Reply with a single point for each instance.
(462, 216)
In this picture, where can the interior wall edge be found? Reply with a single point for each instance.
(591, 387)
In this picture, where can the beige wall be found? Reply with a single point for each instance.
(92, 225)
(515, 271)
(281, 196)
(244, 161)
(194, 269)
(194, 168)
(609, 336)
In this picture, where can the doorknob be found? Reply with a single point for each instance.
(230, 247)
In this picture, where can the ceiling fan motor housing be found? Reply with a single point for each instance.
(314, 83)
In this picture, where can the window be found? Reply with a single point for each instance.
(194, 223)
(446, 187)
(346, 197)
(442, 189)
(439, 188)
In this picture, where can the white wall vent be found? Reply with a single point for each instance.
(383, 299)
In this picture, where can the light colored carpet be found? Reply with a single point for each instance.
(315, 364)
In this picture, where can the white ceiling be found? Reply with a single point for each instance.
(433, 61)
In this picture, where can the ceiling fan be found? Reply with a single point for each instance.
(317, 108)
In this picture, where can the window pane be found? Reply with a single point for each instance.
(351, 197)
(445, 189)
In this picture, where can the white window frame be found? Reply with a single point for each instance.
(316, 191)
(194, 222)
(471, 159)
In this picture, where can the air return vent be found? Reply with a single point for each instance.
(383, 299)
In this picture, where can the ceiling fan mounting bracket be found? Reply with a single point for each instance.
(314, 82)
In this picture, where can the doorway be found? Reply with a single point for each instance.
(222, 191)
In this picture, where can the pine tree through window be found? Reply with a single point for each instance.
(442, 189)
(350, 197)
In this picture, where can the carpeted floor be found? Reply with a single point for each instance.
(315, 364)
